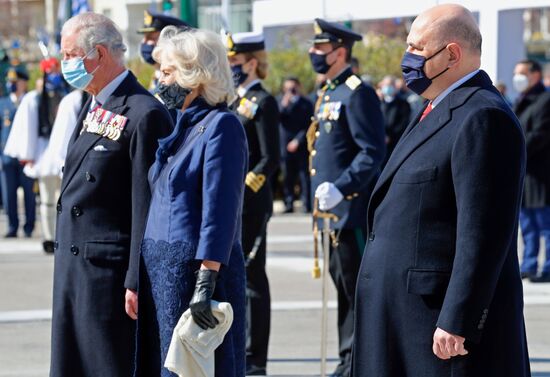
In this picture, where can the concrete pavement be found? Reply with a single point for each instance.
(25, 304)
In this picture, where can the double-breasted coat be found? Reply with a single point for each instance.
(101, 217)
(442, 250)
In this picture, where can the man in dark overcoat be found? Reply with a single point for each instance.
(439, 292)
(533, 111)
(102, 206)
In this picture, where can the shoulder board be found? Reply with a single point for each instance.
(353, 82)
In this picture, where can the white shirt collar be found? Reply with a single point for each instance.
(241, 91)
(106, 92)
(452, 87)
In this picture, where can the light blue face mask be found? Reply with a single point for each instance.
(75, 72)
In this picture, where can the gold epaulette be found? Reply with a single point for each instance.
(353, 82)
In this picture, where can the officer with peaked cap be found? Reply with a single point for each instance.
(258, 112)
(346, 143)
(153, 23)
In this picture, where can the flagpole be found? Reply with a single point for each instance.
(50, 18)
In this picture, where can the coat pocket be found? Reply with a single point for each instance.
(107, 253)
(419, 175)
(427, 282)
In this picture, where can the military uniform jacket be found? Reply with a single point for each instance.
(101, 217)
(348, 146)
(533, 111)
(442, 248)
(258, 111)
(7, 112)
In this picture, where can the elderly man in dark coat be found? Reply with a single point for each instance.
(439, 292)
(102, 206)
(533, 110)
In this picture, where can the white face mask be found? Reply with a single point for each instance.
(520, 82)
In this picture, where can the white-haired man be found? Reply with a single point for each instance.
(102, 206)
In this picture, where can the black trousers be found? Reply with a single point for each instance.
(258, 298)
(344, 265)
(295, 165)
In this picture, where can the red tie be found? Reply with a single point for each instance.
(426, 111)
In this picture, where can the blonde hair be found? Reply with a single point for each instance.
(199, 58)
(261, 58)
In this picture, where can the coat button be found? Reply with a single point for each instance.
(89, 177)
(58, 207)
(74, 250)
(313, 152)
(76, 211)
(56, 245)
(317, 134)
(313, 172)
(480, 327)
(371, 236)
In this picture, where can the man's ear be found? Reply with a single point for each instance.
(455, 53)
(101, 52)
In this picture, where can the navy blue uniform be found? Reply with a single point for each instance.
(259, 113)
(347, 142)
(101, 217)
(12, 177)
(442, 249)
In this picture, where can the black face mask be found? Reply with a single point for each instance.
(172, 95)
(412, 66)
(238, 75)
(319, 62)
(146, 51)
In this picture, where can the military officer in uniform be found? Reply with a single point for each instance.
(346, 142)
(103, 204)
(11, 170)
(258, 112)
(153, 23)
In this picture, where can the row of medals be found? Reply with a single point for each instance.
(105, 123)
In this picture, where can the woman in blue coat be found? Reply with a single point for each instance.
(191, 252)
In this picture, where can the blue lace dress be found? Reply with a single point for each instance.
(197, 185)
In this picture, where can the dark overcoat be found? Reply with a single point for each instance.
(101, 216)
(442, 249)
(533, 112)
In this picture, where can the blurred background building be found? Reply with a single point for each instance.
(512, 29)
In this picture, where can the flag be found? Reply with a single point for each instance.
(79, 6)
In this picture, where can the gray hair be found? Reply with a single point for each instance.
(200, 60)
(96, 29)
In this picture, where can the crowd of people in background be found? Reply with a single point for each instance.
(105, 160)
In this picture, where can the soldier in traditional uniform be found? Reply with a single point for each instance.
(153, 23)
(258, 112)
(103, 204)
(346, 143)
(11, 170)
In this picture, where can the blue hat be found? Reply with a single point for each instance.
(157, 21)
(332, 32)
(17, 73)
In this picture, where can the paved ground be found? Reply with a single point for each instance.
(25, 303)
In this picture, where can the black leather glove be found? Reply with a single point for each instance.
(200, 302)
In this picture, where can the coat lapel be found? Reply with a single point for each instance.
(79, 146)
(417, 133)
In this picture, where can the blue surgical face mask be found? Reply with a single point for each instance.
(75, 72)
(388, 91)
(11, 87)
(412, 66)
(146, 51)
(239, 76)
